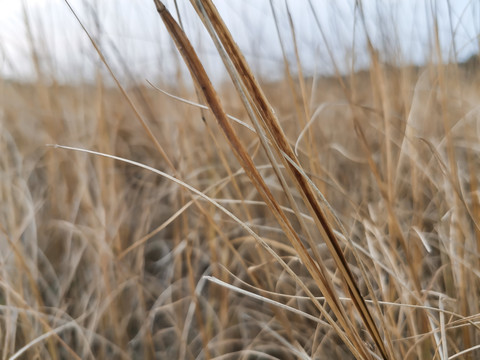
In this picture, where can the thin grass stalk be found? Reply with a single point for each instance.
(313, 246)
(201, 78)
(124, 93)
(272, 126)
(286, 65)
(312, 149)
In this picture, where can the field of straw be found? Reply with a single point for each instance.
(311, 217)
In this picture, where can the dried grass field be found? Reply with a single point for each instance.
(311, 217)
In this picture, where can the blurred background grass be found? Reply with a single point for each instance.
(391, 140)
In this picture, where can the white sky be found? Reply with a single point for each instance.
(130, 31)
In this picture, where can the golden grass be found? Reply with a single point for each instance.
(310, 218)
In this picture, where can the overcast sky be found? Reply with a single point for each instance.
(133, 37)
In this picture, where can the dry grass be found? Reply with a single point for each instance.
(308, 218)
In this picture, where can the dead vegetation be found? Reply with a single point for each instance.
(313, 218)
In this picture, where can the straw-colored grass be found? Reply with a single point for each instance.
(313, 218)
